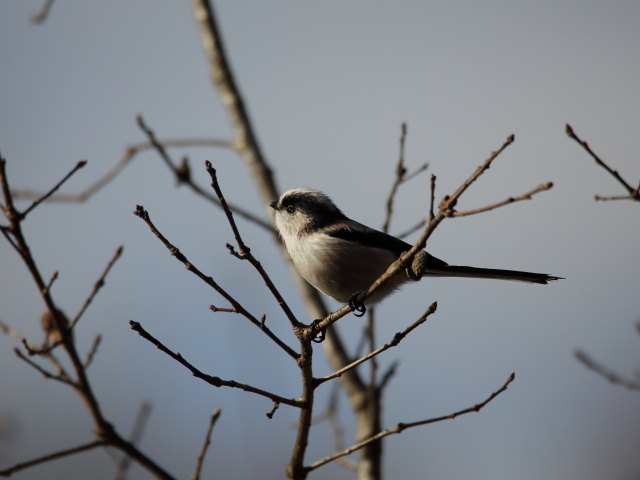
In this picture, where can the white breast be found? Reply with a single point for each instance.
(339, 268)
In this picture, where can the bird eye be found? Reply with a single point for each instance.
(291, 209)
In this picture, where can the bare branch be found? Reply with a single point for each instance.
(398, 337)
(45, 373)
(605, 372)
(205, 446)
(634, 193)
(401, 177)
(400, 173)
(480, 170)
(7, 330)
(213, 308)
(373, 364)
(211, 380)
(618, 197)
(432, 197)
(223, 202)
(181, 173)
(160, 149)
(78, 166)
(55, 337)
(103, 429)
(129, 153)
(400, 427)
(245, 142)
(413, 229)
(92, 351)
(524, 196)
(53, 456)
(388, 374)
(144, 215)
(97, 286)
(245, 252)
(42, 15)
(271, 413)
(136, 433)
(331, 414)
(416, 172)
(446, 209)
(53, 278)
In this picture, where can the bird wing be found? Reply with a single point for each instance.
(353, 231)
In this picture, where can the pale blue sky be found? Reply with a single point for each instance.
(328, 85)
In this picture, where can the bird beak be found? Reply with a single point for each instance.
(274, 205)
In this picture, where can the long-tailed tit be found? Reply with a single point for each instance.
(340, 257)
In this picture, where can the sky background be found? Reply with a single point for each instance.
(328, 85)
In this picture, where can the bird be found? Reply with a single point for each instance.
(341, 257)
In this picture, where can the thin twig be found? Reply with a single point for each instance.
(53, 456)
(159, 147)
(78, 166)
(398, 337)
(401, 177)
(413, 229)
(56, 363)
(92, 351)
(211, 380)
(331, 414)
(53, 278)
(524, 196)
(144, 215)
(183, 176)
(605, 372)
(225, 207)
(400, 173)
(7, 330)
(388, 374)
(617, 197)
(205, 446)
(180, 172)
(45, 373)
(400, 427)
(245, 252)
(634, 193)
(416, 172)
(272, 412)
(42, 15)
(213, 308)
(432, 197)
(136, 434)
(373, 364)
(97, 286)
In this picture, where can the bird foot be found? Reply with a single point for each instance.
(356, 305)
(319, 334)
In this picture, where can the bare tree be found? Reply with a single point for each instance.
(364, 391)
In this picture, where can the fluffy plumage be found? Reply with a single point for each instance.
(340, 256)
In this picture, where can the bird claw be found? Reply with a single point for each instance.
(356, 305)
(318, 334)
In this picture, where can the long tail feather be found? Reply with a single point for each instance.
(497, 274)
